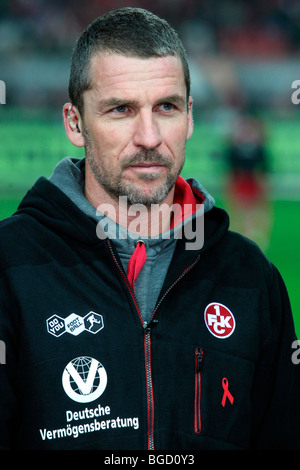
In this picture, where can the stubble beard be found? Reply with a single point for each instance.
(116, 185)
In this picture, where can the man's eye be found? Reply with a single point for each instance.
(167, 106)
(120, 109)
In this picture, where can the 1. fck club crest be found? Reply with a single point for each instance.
(219, 320)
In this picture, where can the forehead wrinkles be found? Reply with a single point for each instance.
(116, 70)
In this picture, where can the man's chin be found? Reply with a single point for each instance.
(147, 194)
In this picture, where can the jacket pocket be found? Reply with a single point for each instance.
(198, 378)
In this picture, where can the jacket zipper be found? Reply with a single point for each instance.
(147, 342)
(147, 354)
(149, 385)
(197, 406)
(174, 283)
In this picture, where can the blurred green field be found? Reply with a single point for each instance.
(32, 142)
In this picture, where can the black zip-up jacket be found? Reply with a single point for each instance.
(212, 370)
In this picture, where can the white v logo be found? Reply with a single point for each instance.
(88, 387)
(84, 386)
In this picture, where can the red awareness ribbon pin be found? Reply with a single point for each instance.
(226, 393)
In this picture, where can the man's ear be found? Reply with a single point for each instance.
(73, 125)
(190, 119)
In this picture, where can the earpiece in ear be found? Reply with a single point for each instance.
(72, 123)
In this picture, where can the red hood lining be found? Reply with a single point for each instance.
(188, 198)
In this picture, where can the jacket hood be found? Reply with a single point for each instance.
(53, 209)
(50, 207)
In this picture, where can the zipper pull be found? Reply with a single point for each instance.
(199, 359)
(148, 327)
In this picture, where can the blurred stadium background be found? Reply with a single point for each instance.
(244, 57)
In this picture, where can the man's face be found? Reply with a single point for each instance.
(135, 126)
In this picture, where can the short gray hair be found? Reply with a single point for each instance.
(133, 32)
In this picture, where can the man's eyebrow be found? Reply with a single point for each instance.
(176, 99)
(115, 102)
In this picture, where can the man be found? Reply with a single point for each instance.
(124, 327)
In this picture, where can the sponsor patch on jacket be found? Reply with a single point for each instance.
(84, 379)
(74, 324)
(219, 320)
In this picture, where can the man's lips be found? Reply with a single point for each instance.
(146, 165)
(149, 159)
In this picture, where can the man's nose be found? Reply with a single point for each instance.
(147, 133)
